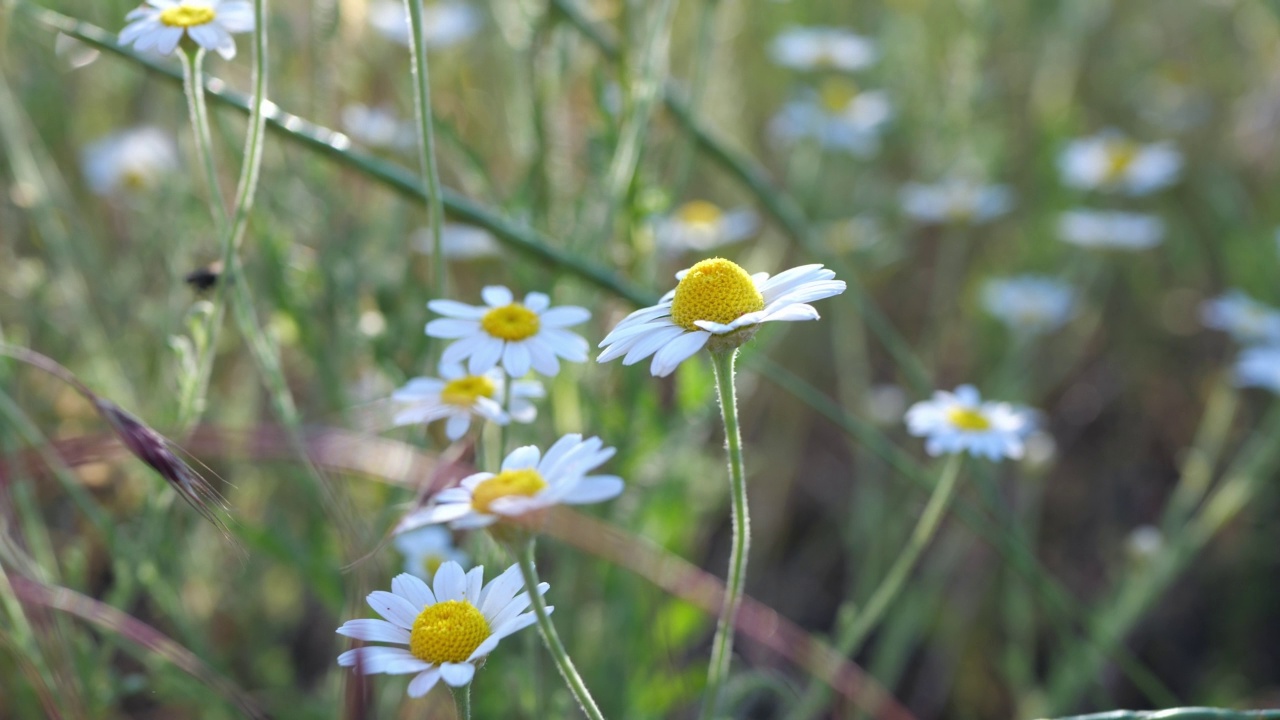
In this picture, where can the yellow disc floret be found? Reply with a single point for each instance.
(464, 391)
(430, 563)
(699, 213)
(448, 632)
(968, 419)
(1120, 156)
(836, 94)
(716, 290)
(525, 482)
(187, 15)
(511, 322)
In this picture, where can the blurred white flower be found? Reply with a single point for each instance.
(130, 160)
(459, 240)
(955, 201)
(822, 48)
(444, 24)
(1144, 542)
(1109, 161)
(837, 116)
(1245, 319)
(159, 25)
(459, 397)
(960, 421)
(1110, 229)
(1259, 366)
(519, 335)
(1031, 304)
(701, 225)
(1041, 449)
(76, 53)
(378, 127)
(426, 549)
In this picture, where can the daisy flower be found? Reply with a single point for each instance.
(1245, 319)
(520, 335)
(529, 481)
(1259, 366)
(131, 160)
(459, 397)
(822, 48)
(715, 302)
(837, 116)
(955, 201)
(159, 25)
(701, 225)
(1109, 161)
(378, 127)
(459, 242)
(960, 421)
(426, 549)
(1032, 304)
(446, 629)
(444, 24)
(1110, 229)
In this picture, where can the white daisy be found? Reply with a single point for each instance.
(715, 302)
(459, 242)
(521, 336)
(459, 397)
(1032, 304)
(955, 201)
(529, 481)
(426, 549)
(378, 127)
(1144, 542)
(159, 25)
(822, 48)
(1246, 319)
(1109, 161)
(960, 421)
(1259, 366)
(701, 225)
(447, 628)
(1110, 229)
(131, 160)
(837, 116)
(444, 24)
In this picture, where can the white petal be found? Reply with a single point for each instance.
(413, 589)
(522, 458)
(792, 313)
(452, 328)
(543, 359)
(422, 684)
(499, 592)
(394, 608)
(453, 308)
(486, 356)
(457, 426)
(236, 17)
(516, 359)
(594, 489)
(568, 345)
(464, 348)
(475, 585)
(652, 343)
(537, 302)
(496, 296)
(374, 630)
(564, 316)
(167, 39)
(485, 647)
(677, 351)
(389, 660)
(457, 674)
(450, 582)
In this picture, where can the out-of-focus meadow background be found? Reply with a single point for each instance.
(1130, 559)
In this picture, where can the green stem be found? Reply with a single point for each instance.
(855, 633)
(722, 646)
(193, 88)
(462, 701)
(551, 639)
(426, 140)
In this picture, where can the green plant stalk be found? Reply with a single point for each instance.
(852, 636)
(192, 86)
(462, 701)
(1183, 713)
(550, 638)
(722, 645)
(426, 140)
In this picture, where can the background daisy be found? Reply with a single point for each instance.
(519, 335)
(1110, 161)
(159, 25)
(458, 397)
(1110, 229)
(961, 422)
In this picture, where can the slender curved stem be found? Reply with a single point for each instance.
(193, 88)
(462, 701)
(855, 633)
(551, 639)
(722, 646)
(426, 139)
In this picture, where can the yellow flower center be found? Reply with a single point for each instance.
(716, 290)
(968, 419)
(464, 391)
(512, 482)
(835, 94)
(448, 632)
(699, 213)
(431, 563)
(134, 179)
(187, 15)
(1120, 155)
(511, 322)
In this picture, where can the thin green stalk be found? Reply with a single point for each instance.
(192, 86)
(1183, 713)
(855, 633)
(462, 701)
(722, 646)
(552, 639)
(426, 139)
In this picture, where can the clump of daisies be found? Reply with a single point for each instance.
(519, 335)
(955, 201)
(960, 421)
(1111, 162)
(837, 115)
(459, 397)
(160, 25)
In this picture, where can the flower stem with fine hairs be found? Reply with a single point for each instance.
(462, 701)
(722, 646)
(426, 140)
(552, 639)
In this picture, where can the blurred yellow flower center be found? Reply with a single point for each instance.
(464, 391)
(716, 290)
(448, 632)
(700, 213)
(511, 482)
(1120, 155)
(511, 322)
(187, 15)
(836, 94)
(968, 419)
(134, 179)
(431, 562)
